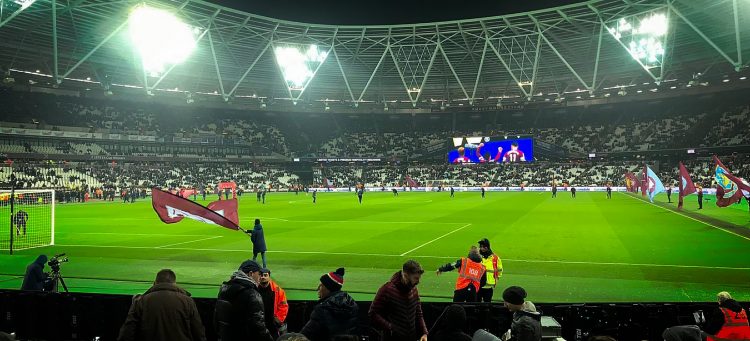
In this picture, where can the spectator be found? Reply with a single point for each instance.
(526, 325)
(239, 308)
(471, 276)
(682, 333)
(35, 276)
(728, 320)
(396, 309)
(274, 301)
(450, 326)
(164, 312)
(336, 312)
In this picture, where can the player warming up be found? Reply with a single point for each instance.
(20, 220)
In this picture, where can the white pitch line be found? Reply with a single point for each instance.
(191, 241)
(686, 216)
(451, 232)
(361, 221)
(140, 234)
(436, 257)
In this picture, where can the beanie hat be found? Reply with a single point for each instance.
(333, 281)
(484, 242)
(249, 266)
(514, 295)
(265, 271)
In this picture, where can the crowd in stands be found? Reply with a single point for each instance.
(116, 177)
(673, 124)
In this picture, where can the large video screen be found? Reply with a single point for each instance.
(479, 149)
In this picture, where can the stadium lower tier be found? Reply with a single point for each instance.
(94, 177)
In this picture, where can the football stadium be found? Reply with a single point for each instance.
(219, 170)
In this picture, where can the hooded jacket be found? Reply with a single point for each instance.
(334, 315)
(397, 311)
(164, 312)
(239, 311)
(527, 324)
(35, 276)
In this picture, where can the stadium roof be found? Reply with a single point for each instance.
(536, 54)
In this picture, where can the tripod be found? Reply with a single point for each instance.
(56, 278)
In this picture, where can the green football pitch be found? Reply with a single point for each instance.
(588, 249)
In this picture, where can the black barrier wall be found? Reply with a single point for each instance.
(69, 316)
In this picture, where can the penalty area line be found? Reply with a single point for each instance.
(687, 216)
(429, 242)
(434, 257)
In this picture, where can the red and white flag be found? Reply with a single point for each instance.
(172, 208)
(686, 184)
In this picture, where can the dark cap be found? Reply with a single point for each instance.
(265, 271)
(514, 295)
(250, 266)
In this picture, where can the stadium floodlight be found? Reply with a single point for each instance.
(160, 38)
(643, 36)
(24, 3)
(298, 64)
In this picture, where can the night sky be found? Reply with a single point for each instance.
(360, 12)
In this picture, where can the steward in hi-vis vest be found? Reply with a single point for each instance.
(494, 267)
(728, 322)
(471, 276)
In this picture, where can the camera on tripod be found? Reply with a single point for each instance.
(56, 261)
(55, 279)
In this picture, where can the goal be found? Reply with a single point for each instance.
(27, 219)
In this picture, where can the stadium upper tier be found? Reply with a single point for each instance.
(592, 48)
(34, 123)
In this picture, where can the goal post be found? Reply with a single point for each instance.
(29, 216)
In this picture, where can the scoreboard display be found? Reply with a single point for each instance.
(486, 149)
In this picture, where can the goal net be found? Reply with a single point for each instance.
(31, 223)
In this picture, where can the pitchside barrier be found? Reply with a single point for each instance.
(77, 316)
(488, 189)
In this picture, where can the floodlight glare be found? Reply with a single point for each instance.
(297, 65)
(644, 39)
(160, 38)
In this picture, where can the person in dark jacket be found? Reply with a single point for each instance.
(526, 325)
(239, 308)
(396, 309)
(259, 242)
(715, 319)
(164, 312)
(450, 326)
(35, 276)
(682, 333)
(336, 312)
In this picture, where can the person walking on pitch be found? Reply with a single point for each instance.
(259, 241)
(609, 190)
(315, 195)
(669, 193)
(451, 191)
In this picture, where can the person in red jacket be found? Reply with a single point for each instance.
(396, 309)
(274, 303)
